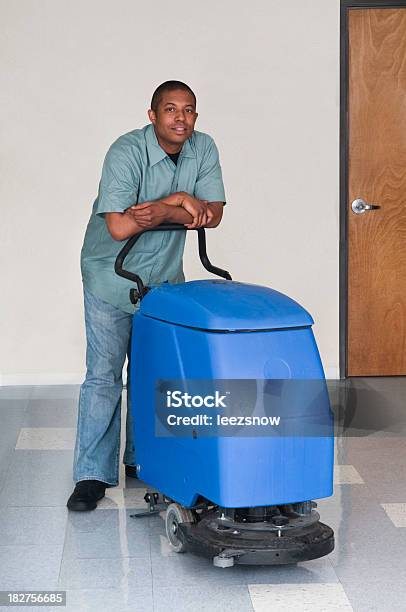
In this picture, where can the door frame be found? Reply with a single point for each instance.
(345, 5)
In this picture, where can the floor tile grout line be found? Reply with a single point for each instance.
(150, 559)
(25, 410)
(102, 558)
(328, 557)
(64, 546)
(249, 595)
(342, 585)
(39, 506)
(98, 510)
(374, 495)
(3, 484)
(346, 594)
(369, 488)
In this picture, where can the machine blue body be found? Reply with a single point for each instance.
(221, 329)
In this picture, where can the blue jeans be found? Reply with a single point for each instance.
(97, 449)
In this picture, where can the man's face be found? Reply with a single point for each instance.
(174, 120)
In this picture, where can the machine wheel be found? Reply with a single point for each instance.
(176, 514)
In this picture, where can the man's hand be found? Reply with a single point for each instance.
(198, 209)
(144, 216)
(149, 214)
(197, 213)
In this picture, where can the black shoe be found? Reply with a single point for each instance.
(131, 471)
(86, 495)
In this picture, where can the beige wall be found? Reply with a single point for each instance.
(76, 74)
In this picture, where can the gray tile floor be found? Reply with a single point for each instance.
(106, 560)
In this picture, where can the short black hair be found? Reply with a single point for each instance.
(168, 86)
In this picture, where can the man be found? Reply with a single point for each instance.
(164, 172)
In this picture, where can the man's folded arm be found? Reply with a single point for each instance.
(123, 225)
(217, 211)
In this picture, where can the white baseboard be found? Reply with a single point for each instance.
(41, 379)
(332, 372)
(16, 380)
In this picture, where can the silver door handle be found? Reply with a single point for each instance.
(359, 206)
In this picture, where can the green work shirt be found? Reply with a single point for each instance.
(136, 169)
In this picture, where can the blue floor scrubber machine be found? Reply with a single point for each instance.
(232, 422)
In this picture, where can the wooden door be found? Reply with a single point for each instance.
(377, 174)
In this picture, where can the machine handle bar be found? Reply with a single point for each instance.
(142, 290)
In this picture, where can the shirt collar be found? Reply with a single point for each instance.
(155, 151)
